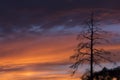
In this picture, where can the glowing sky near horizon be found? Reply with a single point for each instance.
(40, 57)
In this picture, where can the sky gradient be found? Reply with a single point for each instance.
(37, 37)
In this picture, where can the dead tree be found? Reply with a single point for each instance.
(87, 50)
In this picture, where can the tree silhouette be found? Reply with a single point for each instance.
(87, 51)
(104, 74)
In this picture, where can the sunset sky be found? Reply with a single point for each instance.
(37, 37)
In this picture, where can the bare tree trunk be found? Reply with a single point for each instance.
(91, 56)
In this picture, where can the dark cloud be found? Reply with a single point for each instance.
(60, 4)
(21, 15)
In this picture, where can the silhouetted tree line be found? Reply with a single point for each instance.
(104, 74)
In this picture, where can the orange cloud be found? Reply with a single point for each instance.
(39, 50)
(19, 58)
